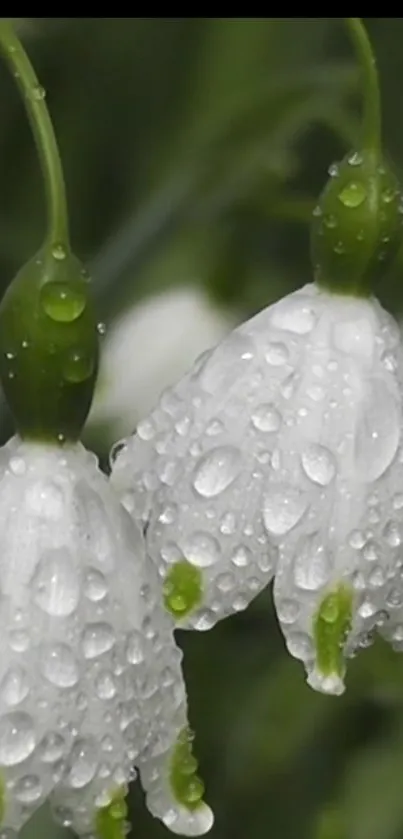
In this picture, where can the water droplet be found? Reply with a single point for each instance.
(134, 648)
(317, 211)
(38, 92)
(392, 534)
(318, 464)
(18, 465)
(145, 430)
(59, 666)
(357, 539)
(14, 686)
(83, 763)
(283, 508)
(45, 499)
(56, 587)
(228, 524)
(376, 577)
(293, 315)
(353, 194)
(388, 195)
(227, 363)
(330, 221)
(101, 328)
(389, 361)
(378, 432)
(397, 501)
(19, 640)
(59, 252)
(17, 738)
(216, 470)
(394, 598)
(105, 685)
(333, 170)
(355, 159)
(225, 582)
(63, 302)
(241, 556)
(288, 611)
(78, 366)
(311, 563)
(28, 789)
(266, 418)
(367, 609)
(98, 638)
(339, 248)
(371, 551)
(276, 354)
(51, 748)
(201, 549)
(95, 587)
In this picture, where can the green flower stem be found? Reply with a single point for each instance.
(372, 97)
(34, 98)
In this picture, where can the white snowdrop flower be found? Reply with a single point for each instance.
(154, 343)
(90, 676)
(279, 455)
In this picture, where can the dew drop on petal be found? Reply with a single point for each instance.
(283, 508)
(354, 338)
(293, 315)
(276, 354)
(226, 364)
(287, 611)
(56, 585)
(216, 470)
(28, 789)
(201, 549)
(95, 587)
(51, 748)
(98, 638)
(377, 432)
(266, 418)
(311, 564)
(14, 687)
(17, 738)
(45, 499)
(83, 764)
(318, 464)
(59, 666)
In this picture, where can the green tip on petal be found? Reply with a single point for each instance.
(182, 589)
(111, 821)
(357, 225)
(187, 787)
(331, 627)
(49, 347)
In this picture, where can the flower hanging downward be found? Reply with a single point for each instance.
(278, 454)
(90, 676)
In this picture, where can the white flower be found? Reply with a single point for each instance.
(278, 455)
(90, 677)
(149, 348)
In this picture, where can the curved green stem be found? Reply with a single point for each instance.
(42, 128)
(372, 97)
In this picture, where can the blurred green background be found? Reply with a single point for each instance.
(194, 149)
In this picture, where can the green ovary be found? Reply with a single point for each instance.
(186, 785)
(332, 624)
(110, 821)
(182, 589)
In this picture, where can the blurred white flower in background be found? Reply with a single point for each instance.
(150, 347)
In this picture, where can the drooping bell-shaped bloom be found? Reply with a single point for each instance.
(279, 455)
(90, 676)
